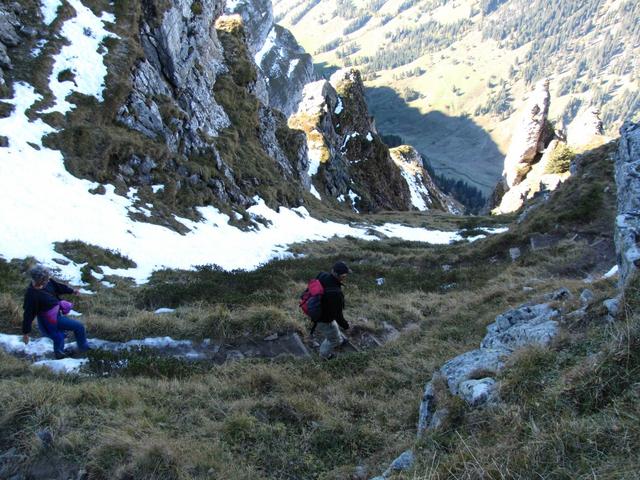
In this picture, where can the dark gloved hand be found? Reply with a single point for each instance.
(344, 326)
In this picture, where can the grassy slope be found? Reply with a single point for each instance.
(568, 412)
(441, 124)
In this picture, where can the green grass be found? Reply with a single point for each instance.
(569, 410)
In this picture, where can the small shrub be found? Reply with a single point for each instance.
(560, 160)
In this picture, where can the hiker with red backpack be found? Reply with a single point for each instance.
(42, 300)
(323, 301)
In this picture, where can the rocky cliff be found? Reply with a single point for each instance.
(184, 107)
(284, 65)
(348, 160)
(538, 158)
(627, 233)
(192, 112)
(425, 195)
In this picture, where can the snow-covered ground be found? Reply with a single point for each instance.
(40, 350)
(42, 203)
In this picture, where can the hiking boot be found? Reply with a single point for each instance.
(60, 355)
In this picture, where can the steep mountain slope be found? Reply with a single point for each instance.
(568, 409)
(150, 123)
(449, 76)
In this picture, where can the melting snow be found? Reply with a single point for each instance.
(315, 192)
(49, 9)
(31, 177)
(269, 43)
(293, 65)
(66, 365)
(347, 138)
(417, 189)
(611, 272)
(41, 348)
(157, 188)
(164, 310)
(85, 33)
(339, 107)
(369, 137)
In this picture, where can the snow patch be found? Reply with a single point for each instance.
(292, 66)
(85, 32)
(339, 107)
(160, 311)
(346, 140)
(612, 272)
(157, 188)
(369, 137)
(269, 43)
(315, 192)
(66, 365)
(417, 189)
(34, 230)
(49, 9)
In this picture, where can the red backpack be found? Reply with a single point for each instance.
(311, 301)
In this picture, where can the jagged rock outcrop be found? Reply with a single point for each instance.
(183, 58)
(425, 195)
(198, 91)
(348, 160)
(286, 68)
(257, 16)
(9, 36)
(530, 166)
(627, 232)
(470, 375)
(544, 176)
(585, 127)
(526, 143)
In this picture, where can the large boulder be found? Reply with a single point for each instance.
(526, 143)
(627, 171)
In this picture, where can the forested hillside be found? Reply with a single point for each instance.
(432, 64)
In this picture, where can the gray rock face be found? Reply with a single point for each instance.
(478, 392)
(460, 368)
(404, 462)
(526, 141)
(183, 57)
(586, 297)
(522, 326)
(613, 306)
(348, 161)
(257, 16)
(425, 195)
(9, 28)
(286, 68)
(519, 327)
(627, 233)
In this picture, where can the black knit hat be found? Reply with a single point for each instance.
(341, 268)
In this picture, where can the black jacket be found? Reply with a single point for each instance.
(332, 300)
(39, 301)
